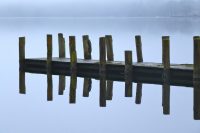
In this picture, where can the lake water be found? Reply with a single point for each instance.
(33, 113)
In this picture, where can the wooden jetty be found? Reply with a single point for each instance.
(180, 75)
(107, 70)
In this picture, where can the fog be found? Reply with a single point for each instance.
(103, 8)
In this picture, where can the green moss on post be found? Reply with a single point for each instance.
(166, 74)
(61, 45)
(49, 69)
(73, 57)
(87, 55)
(73, 67)
(22, 85)
(102, 71)
(110, 57)
(196, 78)
(128, 73)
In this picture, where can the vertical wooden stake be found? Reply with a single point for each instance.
(138, 43)
(110, 57)
(22, 85)
(87, 55)
(73, 60)
(73, 82)
(196, 78)
(128, 73)
(87, 47)
(102, 71)
(61, 45)
(49, 69)
(166, 74)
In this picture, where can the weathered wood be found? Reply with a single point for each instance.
(196, 78)
(128, 73)
(109, 47)
(151, 73)
(166, 74)
(87, 47)
(110, 57)
(49, 69)
(72, 44)
(22, 85)
(102, 71)
(138, 97)
(102, 57)
(73, 68)
(138, 43)
(61, 45)
(21, 50)
(87, 55)
(73, 55)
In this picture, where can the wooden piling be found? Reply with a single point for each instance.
(87, 55)
(102, 71)
(87, 47)
(61, 45)
(49, 69)
(196, 78)
(73, 56)
(166, 74)
(22, 85)
(138, 43)
(110, 57)
(73, 67)
(128, 73)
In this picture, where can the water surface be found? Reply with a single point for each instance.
(32, 112)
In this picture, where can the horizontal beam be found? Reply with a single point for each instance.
(180, 75)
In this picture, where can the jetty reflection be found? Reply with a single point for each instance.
(106, 70)
(106, 94)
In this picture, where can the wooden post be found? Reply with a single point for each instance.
(61, 45)
(102, 71)
(196, 78)
(128, 73)
(87, 55)
(110, 57)
(22, 85)
(49, 69)
(87, 47)
(72, 50)
(166, 74)
(73, 60)
(138, 43)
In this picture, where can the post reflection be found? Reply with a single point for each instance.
(104, 93)
(138, 97)
(72, 92)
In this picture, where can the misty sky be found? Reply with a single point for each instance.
(18, 2)
(98, 8)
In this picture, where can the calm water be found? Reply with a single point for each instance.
(32, 112)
